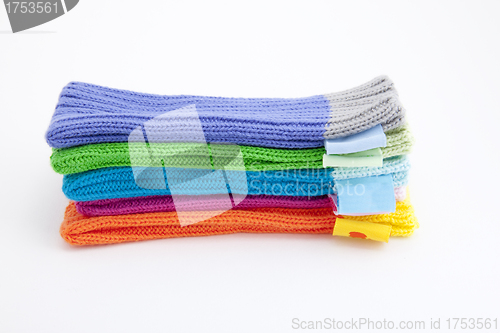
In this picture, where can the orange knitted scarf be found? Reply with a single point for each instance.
(78, 229)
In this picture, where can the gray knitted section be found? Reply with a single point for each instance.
(358, 109)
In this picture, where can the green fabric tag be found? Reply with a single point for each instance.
(368, 158)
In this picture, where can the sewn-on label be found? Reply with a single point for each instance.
(365, 196)
(369, 139)
(367, 158)
(360, 229)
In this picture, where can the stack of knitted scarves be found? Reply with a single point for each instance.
(285, 187)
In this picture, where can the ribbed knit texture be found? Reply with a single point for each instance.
(111, 183)
(78, 229)
(102, 155)
(87, 114)
(164, 203)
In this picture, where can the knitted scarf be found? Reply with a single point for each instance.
(165, 203)
(87, 114)
(103, 155)
(78, 229)
(119, 182)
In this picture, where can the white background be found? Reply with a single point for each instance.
(444, 59)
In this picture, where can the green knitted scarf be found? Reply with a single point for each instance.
(103, 155)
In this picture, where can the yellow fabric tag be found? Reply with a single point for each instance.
(359, 229)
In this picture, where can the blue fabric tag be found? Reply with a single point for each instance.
(369, 139)
(366, 195)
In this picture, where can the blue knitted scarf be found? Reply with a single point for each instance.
(119, 182)
(89, 113)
